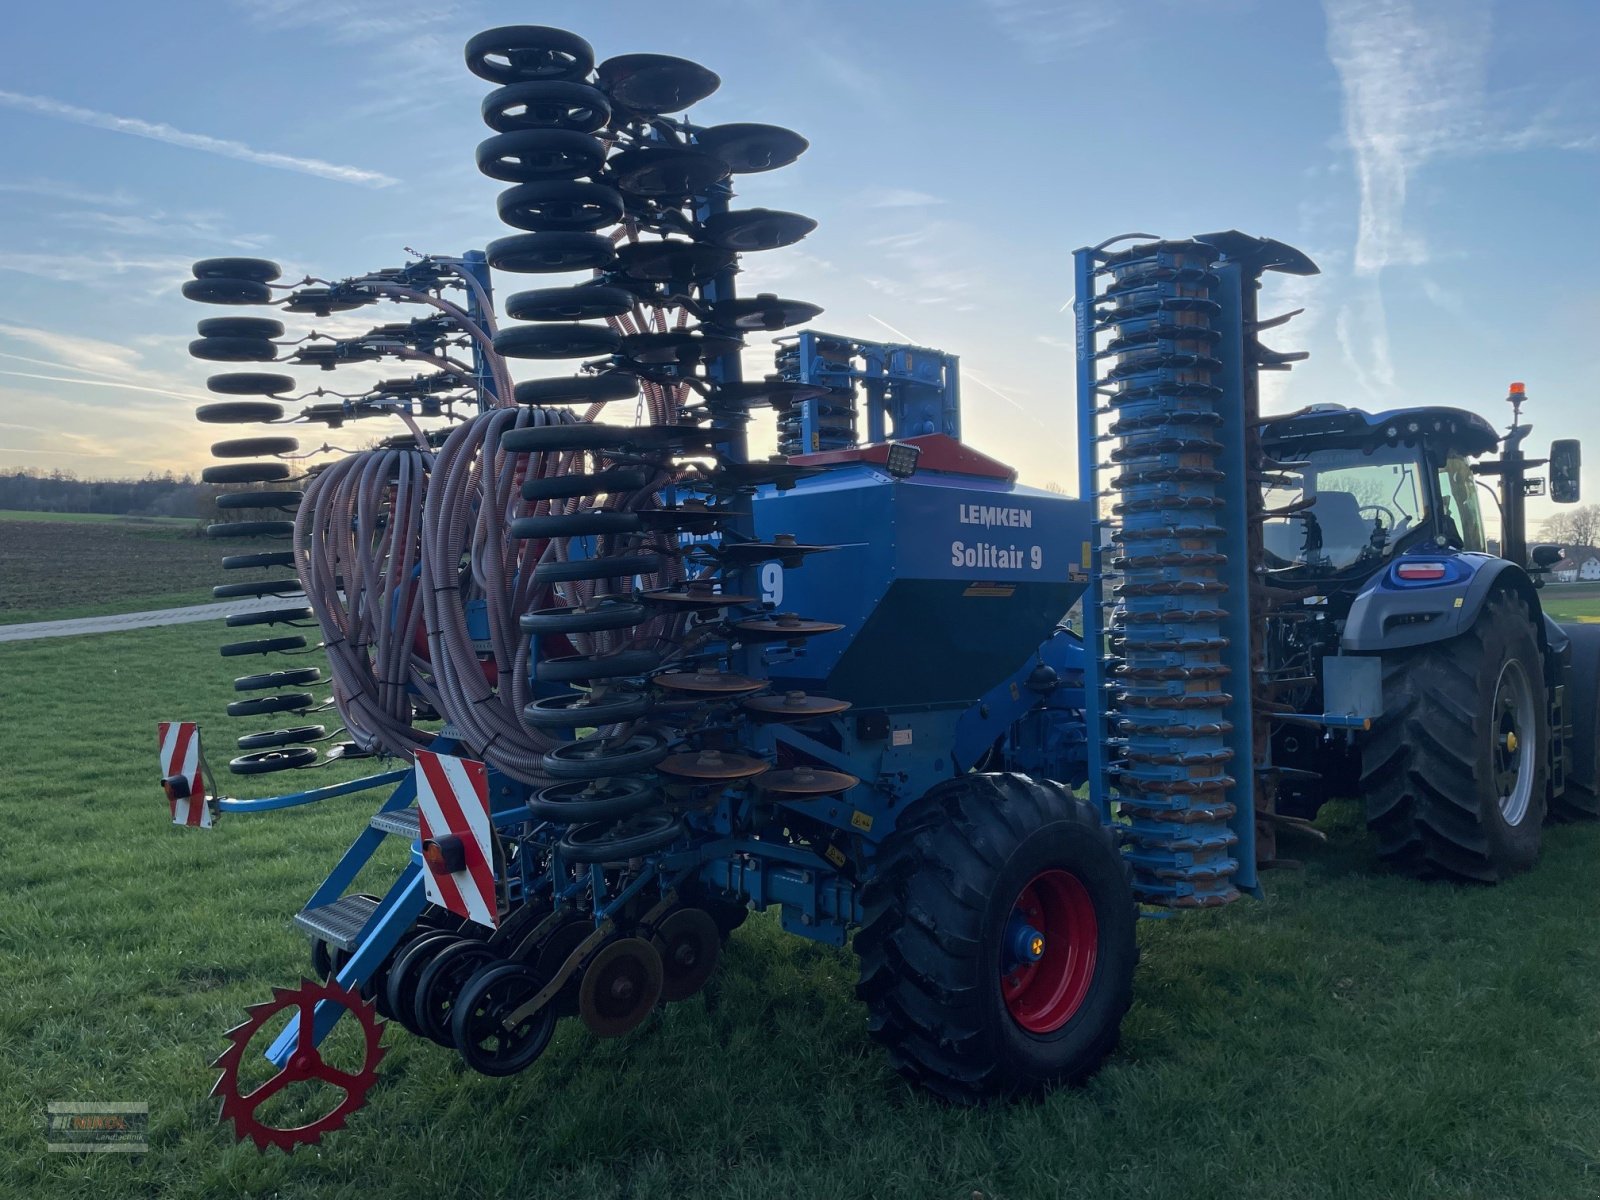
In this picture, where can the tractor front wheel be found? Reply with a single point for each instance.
(998, 950)
(1455, 773)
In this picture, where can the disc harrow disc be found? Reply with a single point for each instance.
(756, 229)
(748, 148)
(786, 625)
(764, 311)
(690, 944)
(753, 393)
(621, 984)
(693, 598)
(806, 781)
(672, 261)
(709, 683)
(669, 173)
(713, 766)
(794, 706)
(655, 83)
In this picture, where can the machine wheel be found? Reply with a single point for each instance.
(440, 984)
(1455, 774)
(998, 950)
(400, 988)
(476, 1020)
(1581, 799)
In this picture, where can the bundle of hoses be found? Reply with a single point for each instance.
(358, 545)
(471, 552)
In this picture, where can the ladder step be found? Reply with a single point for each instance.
(340, 923)
(400, 821)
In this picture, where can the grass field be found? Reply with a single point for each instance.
(59, 565)
(17, 514)
(1350, 1035)
(1572, 601)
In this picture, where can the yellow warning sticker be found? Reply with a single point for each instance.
(862, 821)
(834, 855)
(1088, 560)
(1000, 590)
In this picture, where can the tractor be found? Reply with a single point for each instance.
(1375, 549)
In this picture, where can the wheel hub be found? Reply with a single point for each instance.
(1049, 949)
(1514, 747)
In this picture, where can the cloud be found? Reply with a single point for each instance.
(1362, 328)
(1416, 89)
(44, 106)
(899, 198)
(113, 365)
(156, 225)
(398, 39)
(1047, 30)
(88, 354)
(141, 277)
(55, 189)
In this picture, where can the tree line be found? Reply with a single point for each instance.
(30, 489)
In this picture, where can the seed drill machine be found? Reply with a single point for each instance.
(634, 682)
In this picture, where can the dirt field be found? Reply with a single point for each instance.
(51, 569)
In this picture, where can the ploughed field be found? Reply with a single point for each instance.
(59, 565)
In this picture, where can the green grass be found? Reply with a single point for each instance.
(18, 514)
(1572, 601)
(1351, 1035)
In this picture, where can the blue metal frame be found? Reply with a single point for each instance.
(902, 390)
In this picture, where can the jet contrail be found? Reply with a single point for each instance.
(45, 107)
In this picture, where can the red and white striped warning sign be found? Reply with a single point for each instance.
(181, 774)
(453, 800)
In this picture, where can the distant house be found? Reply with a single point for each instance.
(1581, 565)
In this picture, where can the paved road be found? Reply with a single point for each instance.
(137, 620)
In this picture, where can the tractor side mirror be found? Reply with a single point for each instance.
(1546, 556)
(1566, 464)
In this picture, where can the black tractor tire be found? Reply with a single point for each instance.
(1429, 765)
(1581, 799)
(937, 913)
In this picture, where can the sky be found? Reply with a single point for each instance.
(1439, 159)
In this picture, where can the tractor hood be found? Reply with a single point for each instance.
(1336, 427)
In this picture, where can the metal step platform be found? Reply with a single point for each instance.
(340, 923)
(401, 822)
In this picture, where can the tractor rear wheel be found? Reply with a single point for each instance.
(1580, 800)
(1455, 772)
(998, 949)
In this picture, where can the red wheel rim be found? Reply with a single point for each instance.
(1043, 996)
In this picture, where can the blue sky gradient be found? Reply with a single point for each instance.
(1438, 158)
